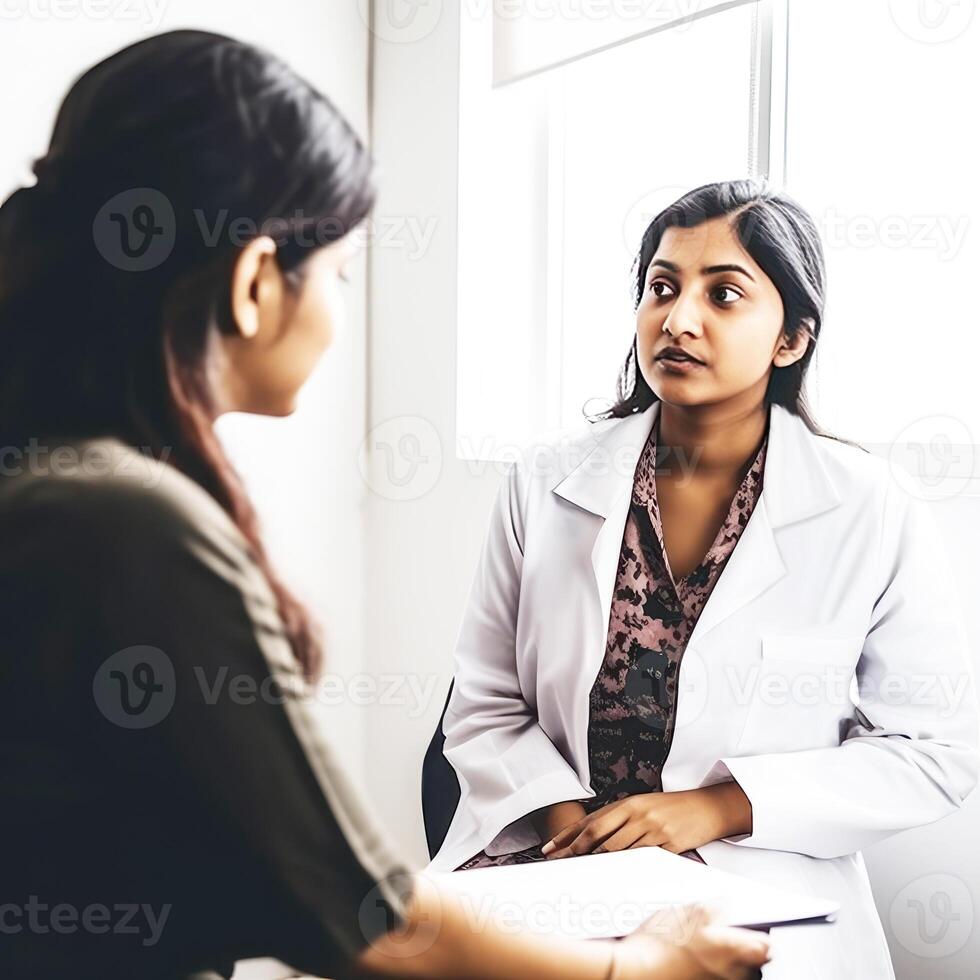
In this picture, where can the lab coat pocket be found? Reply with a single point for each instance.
(798, 692)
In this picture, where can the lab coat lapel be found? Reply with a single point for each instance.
(603, 485)
(796, 486)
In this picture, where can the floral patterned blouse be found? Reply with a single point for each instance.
(633, 702)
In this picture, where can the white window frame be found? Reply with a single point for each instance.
(766, 158)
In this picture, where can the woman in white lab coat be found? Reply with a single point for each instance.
(702, 624)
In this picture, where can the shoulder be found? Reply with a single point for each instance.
(106, 495)
(877, 487)
(858, 473)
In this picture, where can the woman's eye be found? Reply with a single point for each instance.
(660, 289)
(727, 296)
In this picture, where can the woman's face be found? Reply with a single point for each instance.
(705, 294)
(282, 331)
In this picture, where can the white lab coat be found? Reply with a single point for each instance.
(827, 672)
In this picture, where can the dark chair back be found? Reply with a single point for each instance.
(440, 788)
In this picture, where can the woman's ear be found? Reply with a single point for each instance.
(791, 351)
(255, 287)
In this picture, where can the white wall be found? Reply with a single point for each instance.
(422, 550)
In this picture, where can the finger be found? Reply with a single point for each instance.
(577, 848)
(629, 835)
(574, 849)
(730, 952)
(582, 838)
(626, 838)
(749, 947)
(569, 833)
(597, 832)
(564, 837)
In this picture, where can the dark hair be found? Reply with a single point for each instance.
(782, 238)
(186, 130)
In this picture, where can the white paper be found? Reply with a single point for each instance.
(601, 896)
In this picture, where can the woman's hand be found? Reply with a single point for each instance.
(677, 822)
(683, 944)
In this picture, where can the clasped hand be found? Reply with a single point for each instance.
(677, 822)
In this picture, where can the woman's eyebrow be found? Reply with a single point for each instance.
(706, 270)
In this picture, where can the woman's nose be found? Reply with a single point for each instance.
(684, 317)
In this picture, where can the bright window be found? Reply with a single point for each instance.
(883, 152)
(561, 169)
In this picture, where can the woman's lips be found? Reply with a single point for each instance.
(678, 365)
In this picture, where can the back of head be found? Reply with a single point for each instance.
(156, 153)
(115, 267)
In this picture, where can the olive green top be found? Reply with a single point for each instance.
(171, 800)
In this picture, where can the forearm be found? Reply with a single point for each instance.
(441, 940)
(802, 801)
(733, 809)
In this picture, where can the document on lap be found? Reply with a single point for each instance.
(605, 896)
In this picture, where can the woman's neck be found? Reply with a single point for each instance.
(710, 442)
